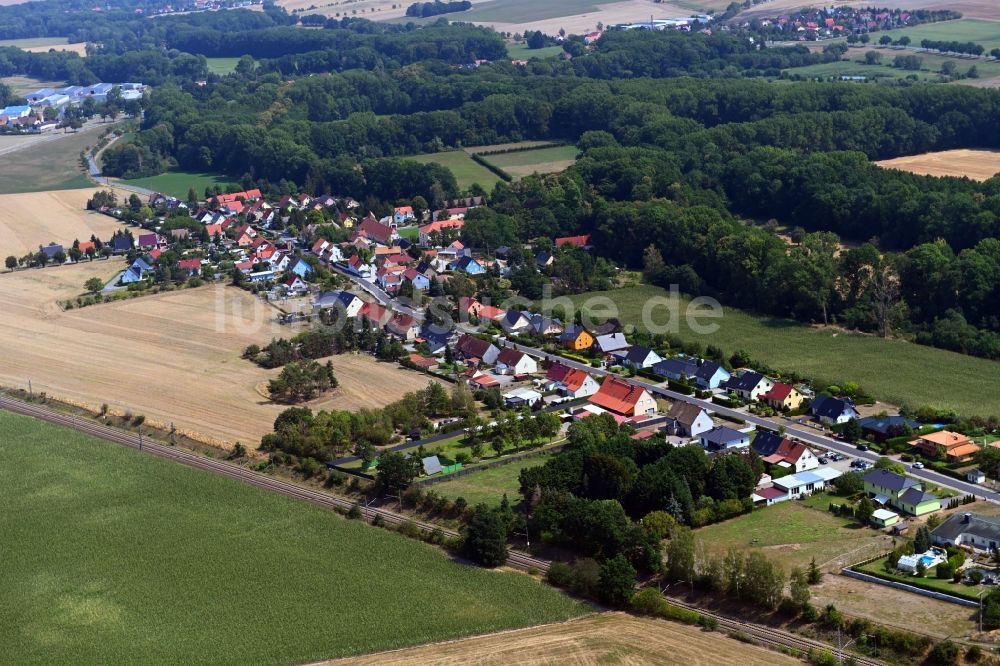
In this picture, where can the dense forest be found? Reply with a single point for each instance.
(687, 164)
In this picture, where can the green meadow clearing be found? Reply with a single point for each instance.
(893, 370)
(222, 65)
(51, 164)
(177, 183)
(489, 485)
(115, 557)
(791, 532)
(459, 163)
(930, 67)
(542, 160)
(526, 11)
(34, 42)
(522, 52)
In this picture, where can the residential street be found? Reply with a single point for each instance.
(806, 434)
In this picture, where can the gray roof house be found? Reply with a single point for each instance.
(610, 343)
(638, 357)
(968, 529)
(688, 420)
(675, 368)
(721, 438)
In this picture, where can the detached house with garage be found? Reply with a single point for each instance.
(945, 445)
(576, 338)
(971, 530)
(722, 438)
(901, 492)
(638, 357)
(783, 396)
(578, 384)
(831, 411)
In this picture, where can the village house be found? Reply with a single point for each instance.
(190, 266)
(403, 327)
(293, 284)
(803, 484)
(945, 445)
(887, 488)
(723, 438)
(783, 396)
(402, 214)
(619, 396)
(542, 325)
(576, 338)
(429, 233)
(968, 530)
(610, 343)
(373, 230)
(687, 420)
(882, 428)
(777, 450)
(749, 385)
(469, 348)
(574, 241)
(514, 322)
(350, 303)
(578, 384)
(638, 357)
(831, 411)
(512, 362)
(468, 265)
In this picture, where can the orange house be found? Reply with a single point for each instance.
(576, 339)
(955, 446)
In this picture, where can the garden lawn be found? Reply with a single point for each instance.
(894, 371)
(466, 171)
(789, 533)
(177, 183)
(877, 568)
(122, 558)
(489, 485)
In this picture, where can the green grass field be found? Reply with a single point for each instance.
(893, 370)
(222, 65)
(34, 42)
(790, 533)
(121, 558)
(177, 183)
(526, 162)
(465, 169)
(522, 52)
(489, 485)
(50, 165)
(986, 33)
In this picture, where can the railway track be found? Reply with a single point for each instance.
(515, 558)
(773, 637)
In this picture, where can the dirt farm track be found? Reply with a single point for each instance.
(610, 638)
(173, 357)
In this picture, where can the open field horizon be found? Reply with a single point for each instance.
(123, 558)
(31, 219)
(174, 357)
(974, 164)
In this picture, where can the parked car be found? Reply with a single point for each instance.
(824, 461)
(862, 447)
(918, 465)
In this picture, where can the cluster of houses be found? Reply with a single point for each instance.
(833, 21)
(685, 23)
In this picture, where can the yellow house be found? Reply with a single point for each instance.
(576, 338)
(783, 396)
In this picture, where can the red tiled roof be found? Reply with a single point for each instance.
(189, 264)
(779, 392)
(451, 223)
(375, 313)
(770, 493)
(575, 241)
(375, 230)
(509, 357)
(471, 347)
(574, 379)
(618, 395)
(423, 361)
(230, 198)
(557, 372)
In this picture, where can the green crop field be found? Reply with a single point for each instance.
(465, 169)
(893, 370)
(222, 65)
(526, 162)
(114, 557)
(791, 532)
(177, 183)
(986, 33)
(489, 485)
(526, 11)
(522, 52)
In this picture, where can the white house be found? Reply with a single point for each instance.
(578, 384)
(638, 357)
(687, 420)
(339, 299)
(981, 533)
(513, 362)
(749, 385)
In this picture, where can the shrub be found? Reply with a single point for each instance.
(822, 658)
(974, 654)
(708, 623)
(809, 613)
(561, 574)
(646, 602)
(944, 653)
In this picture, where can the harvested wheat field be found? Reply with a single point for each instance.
(974, 164)
(173, 357)
(38, 218)
(610, 638)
